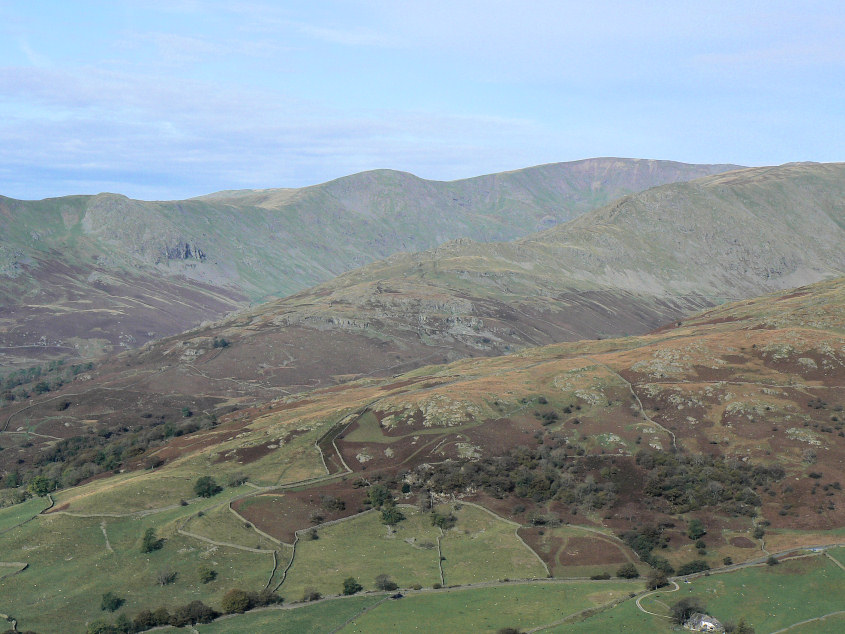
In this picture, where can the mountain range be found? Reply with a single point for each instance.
(82, 275)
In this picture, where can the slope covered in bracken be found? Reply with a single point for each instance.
(726, 426)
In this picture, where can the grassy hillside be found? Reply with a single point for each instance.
(592, 454)
(84, 274)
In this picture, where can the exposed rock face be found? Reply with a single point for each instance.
(183, 251)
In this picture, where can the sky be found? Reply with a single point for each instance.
(168, 100)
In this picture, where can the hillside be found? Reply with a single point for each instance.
(81, 275)
(567, 460)
(747, 233)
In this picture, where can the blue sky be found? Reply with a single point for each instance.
(163, 100)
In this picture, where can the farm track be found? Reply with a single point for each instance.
(637, 398)
(804, 622)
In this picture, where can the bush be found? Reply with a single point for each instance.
(235, 601)
(311, 595)
(696, 529)
(111, 602)
(728, 561)
(151, 542)
(207, 574)
(383, 582)
(205, 487)
(351, 586)
(628, 571)
(236, 480)
(443, 522)
(772, 561)
(191, 614)
(602, 576)
(391, 515)
(166, 577)
(696, 565)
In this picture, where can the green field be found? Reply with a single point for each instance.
(308, 619)
(19, 513)
(488, 609)
(71, 566)
(364, 548)
(768, 597)
(482, 547)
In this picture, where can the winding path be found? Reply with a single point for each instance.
(648, 594)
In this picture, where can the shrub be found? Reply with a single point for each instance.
(378, 494)
(383, 582)
(696, 529)
(265, 597)
(602, 576)
(111, 602)
(205, 487)
(351, 586)
(728, 561)
(628, 571)
(437, 586)
(772, 561)
(311, 595)
(191, 614)
(151, 542)
(759, 531)
(443, 522)
(207, 574)
(166, 577)
(235, 601)
(391, 515)
(696, 565)
(236, 480)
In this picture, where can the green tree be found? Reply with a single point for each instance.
(696, 529)
(235, 600)
(111, 602)
(41, 486)
(391, 515)
(378, 494)
(685, 608)
(150, 541)
(656, 579)
(206, 486)
(691, 567)
(207, 574)
(351, 586)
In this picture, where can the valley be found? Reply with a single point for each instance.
(567, 432)
(85, 275)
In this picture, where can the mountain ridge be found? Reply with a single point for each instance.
(221, 253)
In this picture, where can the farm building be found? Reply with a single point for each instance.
(699, 622)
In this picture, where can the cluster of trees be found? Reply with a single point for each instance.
(72, 460)
(557, 470)
(691, 482)
(39, 379)
(234, 601)
(380, 497)
(188, 614)
(543, 473)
